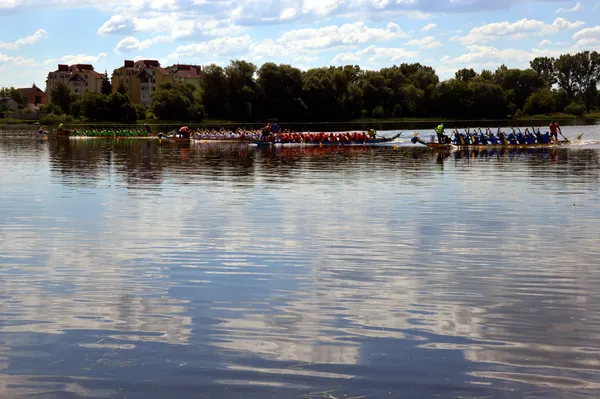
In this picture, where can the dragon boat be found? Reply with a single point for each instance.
(98, 134)
(452, 146)
(327, 142)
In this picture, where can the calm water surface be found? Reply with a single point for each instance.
(130, 269)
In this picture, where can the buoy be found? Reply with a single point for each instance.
(395, 147)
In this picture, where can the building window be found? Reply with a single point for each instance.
(154, 89)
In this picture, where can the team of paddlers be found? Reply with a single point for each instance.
(272, 134)
(500, 138)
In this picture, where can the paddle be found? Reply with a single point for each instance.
(567, 140)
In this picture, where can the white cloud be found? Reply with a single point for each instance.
(215, 27)
(304, 60)
(488, 56)
(321, 7)
(288, 13)
(183, 29)
(331, 36)
(76, 59)
(577, 7)
(375, 55)
(427, 42)
(385, 54)
(589, 43)
(220, 46)
(27, 40)
(429, 27)
(346, 58)
(547, 42)
(117, 24)
(20, 61)
(130, 43)
(497, 30)
(587, 32)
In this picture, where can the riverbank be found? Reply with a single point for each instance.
(355, 124)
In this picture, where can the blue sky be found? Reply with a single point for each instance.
(36, 35)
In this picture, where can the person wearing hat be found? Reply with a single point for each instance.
(440, 133)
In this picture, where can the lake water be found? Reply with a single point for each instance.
(130, 269)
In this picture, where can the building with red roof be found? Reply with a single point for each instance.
(80, 78)
(184, 73)
(140, 79)
(34, 96)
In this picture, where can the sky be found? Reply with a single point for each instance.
(37, 35)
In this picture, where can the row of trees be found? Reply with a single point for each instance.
(95, 107)
(241, 91)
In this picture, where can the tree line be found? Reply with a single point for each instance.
(243, 92)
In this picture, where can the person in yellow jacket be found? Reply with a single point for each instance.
(440, 133)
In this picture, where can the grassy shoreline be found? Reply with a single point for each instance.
(523, 121)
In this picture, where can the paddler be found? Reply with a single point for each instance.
(184, 132)
(440, 133)
(372, 134)
(554, 130)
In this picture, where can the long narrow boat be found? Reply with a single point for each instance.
(450, 146)
(327, 143)
(210, 141)
(114, 134)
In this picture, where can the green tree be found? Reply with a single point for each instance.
(242, 90)
(456, 99)
(544, 66)
(540, 102)
(375, 92)
(575, 109)
(378, 112)
(13, 93)
(214, 86)
(488, 99)
(62, 96)
(95, 107)
(106, 88)
(177, 102)
(564, 67)
(282, 87)
(122, 90)
(319, 94)
(586, 74)
(76, 108)
(121, 108)
(51, 108)
(465, 75)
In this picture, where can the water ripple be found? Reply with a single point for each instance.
(132, 269)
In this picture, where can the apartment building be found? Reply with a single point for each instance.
(186, 74)
(140, 79)
(80, 78)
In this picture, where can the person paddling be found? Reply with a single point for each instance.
(554, 130)
(440, 132)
